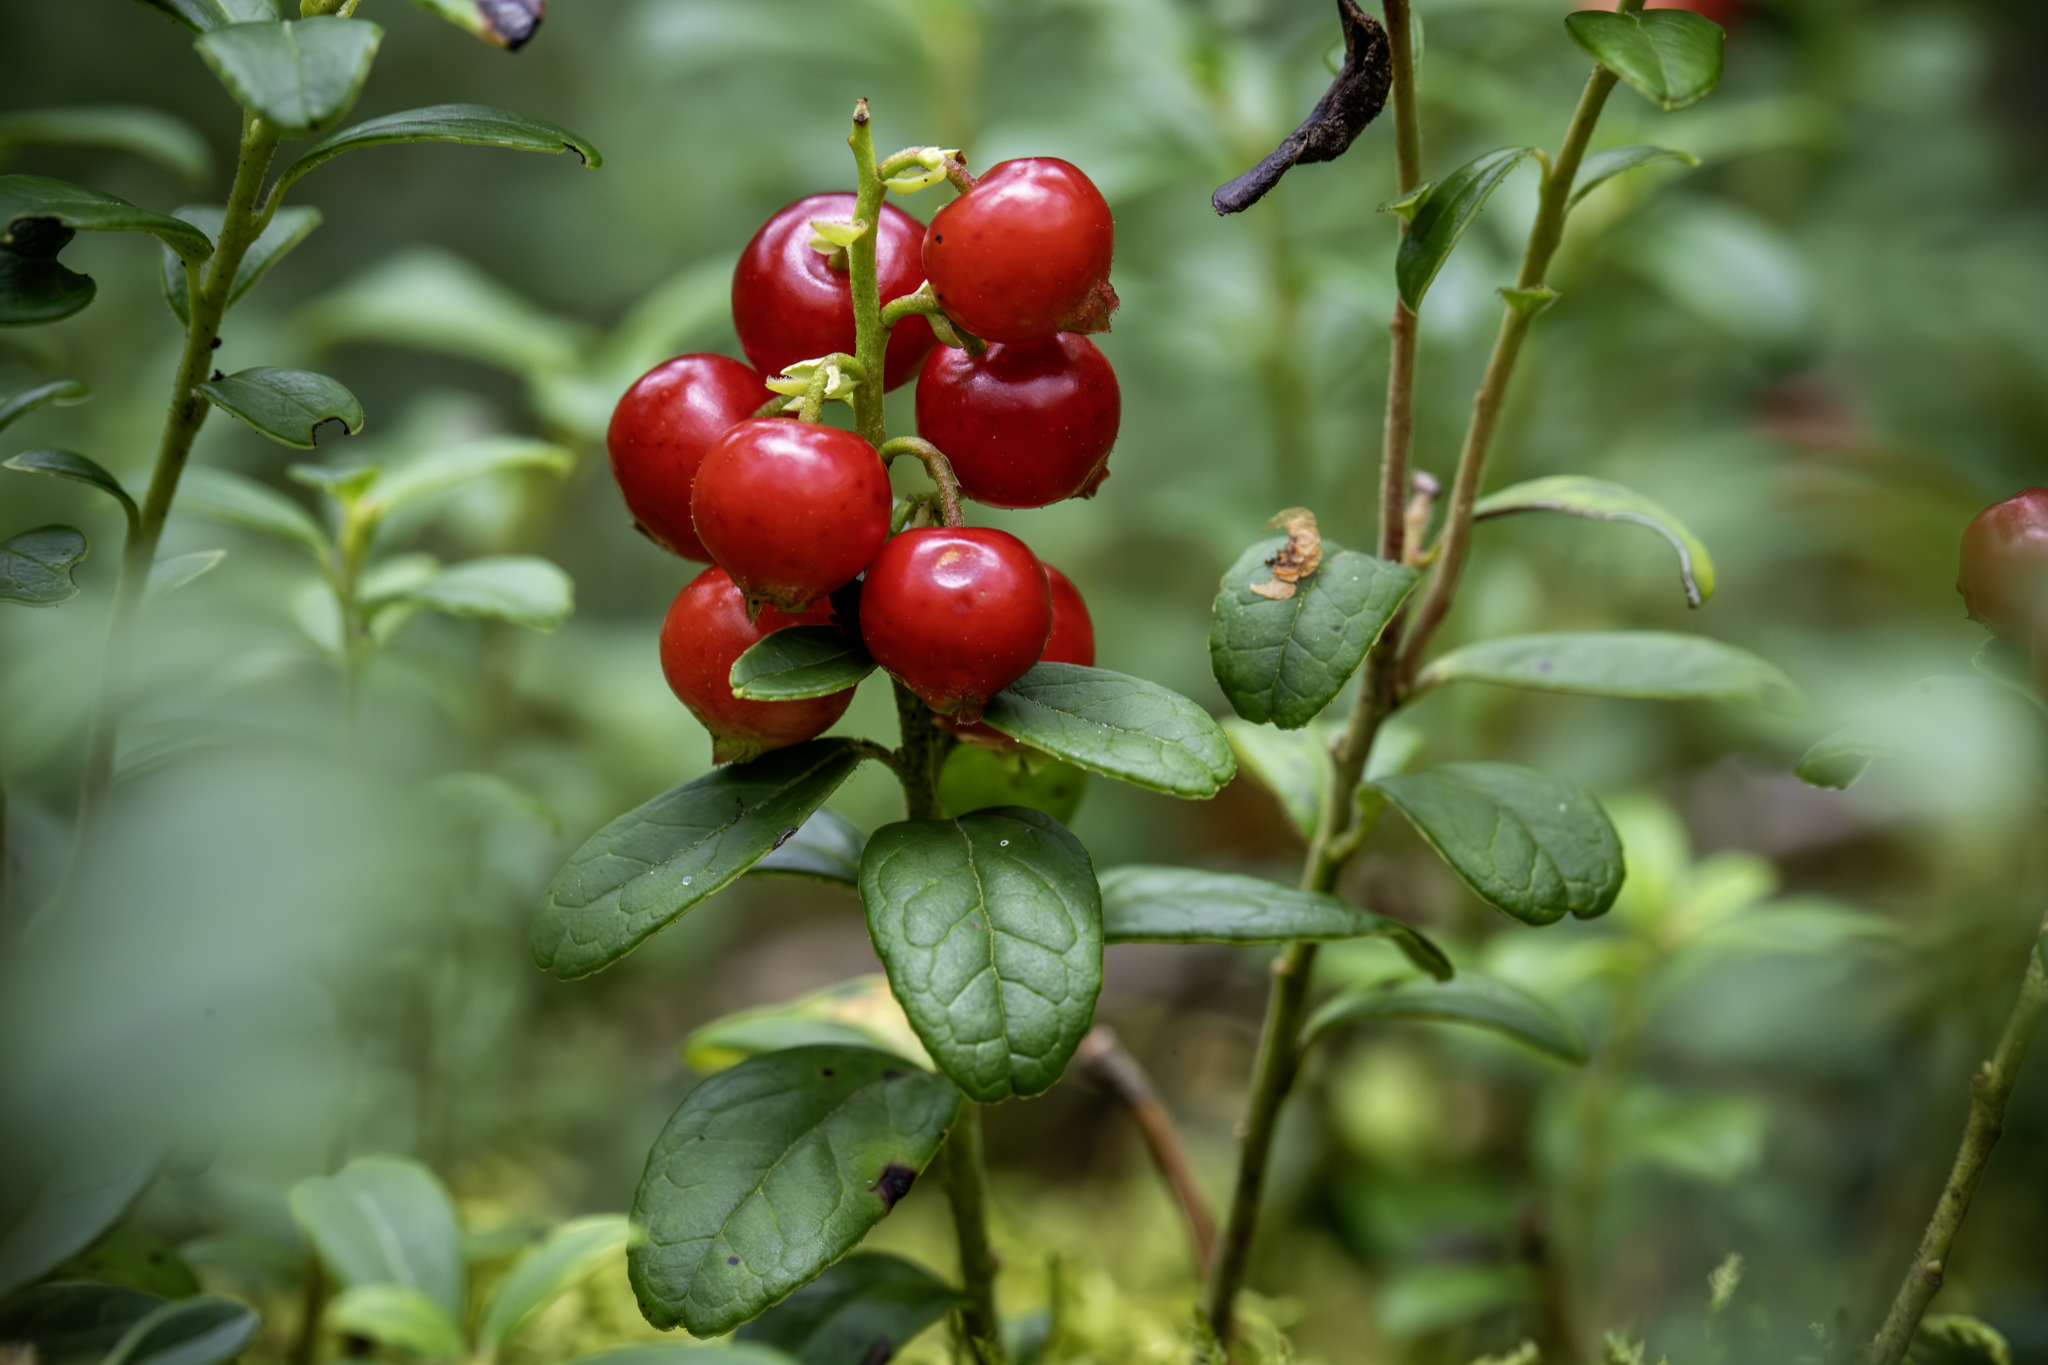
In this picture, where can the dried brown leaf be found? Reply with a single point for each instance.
(1301, 556)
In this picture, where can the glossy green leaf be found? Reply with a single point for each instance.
(866, 1308)
(645, 868)
(222, 495)
(1118, 726)
(1478, 1001)
(73, 1322)
(442, 470)
(287, 228)
(1957, 1339)
(36, 212)
(149, 133)
(203, 1330)
(1647, 664)
(824, 848)
(975, 777)
(990, 927)
(1294, 765)
(166, 576)
(433, 301)
(1529, 843)
(856, 1013)
(1601, 500)
(385, 1220)
(35, 571)
(72, 1205)
(1601, 167)
(1182, 905)
(65, 464)
(63, 392)
(571, 1254)
(773, 1170)
(399, 1317)
(288, 406)
(34, 293)
(478, 125)
(509, 24)
(1283, 661)
(523, 589)
(800, 661)
(1439, 214)
(301, 74)
(1671, 57)
(197, 15)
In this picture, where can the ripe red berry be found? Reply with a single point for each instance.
(705, 630)
(1726, 13)
(1072, 642)
(2005, 564)
(1024, 255)
(791, 509)
(956, 614)
(789, 304)
(661, 431)
(1023, 424)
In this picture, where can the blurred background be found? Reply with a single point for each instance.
(1824, 349)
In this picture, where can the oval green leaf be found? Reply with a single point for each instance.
(149, 133)
(523, 589)
(433, 301)
(1917, 722)
(222, 495)
(773, 1170)
(975, 778)
(1283, 661)
(1439, 214)
(203, 1330)
(1601, 500)
(399, 1317)
(443, 469)
(1671, 57)
(166, 576)
(197, 15)
(35, 566)
(571, 1254)
(385, 1220)
(1182, 905)
(73, 1322)
(477, 125)
(866, 1308)
(647, 867)
(825, 848)
(34, 206)
(990, 927)
(856, 1013)
(800, 661)
(1601, 167)
(63, 392)
(1529, 843)
(65, 464)
(286, 229)
(300, 75)
(72, 1205)
(1477, 1001)
(1646, 664)
(37, 292)
(288, 406)
(1118, 726)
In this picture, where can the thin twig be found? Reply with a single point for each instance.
(1102, 1051)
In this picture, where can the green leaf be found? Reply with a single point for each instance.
(73, 1204)
(1528, 843)
(1601, 167)
(647, 867)
(771, 1171)
(149, 133)
(300, 75)
(37, 214)
(397, 1316)
(166, 576)
(36, 292)
(1651, 665)
(222, 495)
(203, 1330)
(866, 1308)
(478, 125)
(509, 24)
(523, 589)
(197, 15)
(571, 1254)
(446, 469)
(1284, 661)
(990, 927)
(800, 661)
(35, 570)
(824, 848)
(975, 777)
(287, 228)
(1182, 905)
(688, 1353)
(63, 392)
(63, 464)
(436, 302)
(1294, 765)
(856, 1013)
(1671, 57)
(1118, 726)
(288, 406)
(385, 1220)
(1956, 1339)
(1441, 214)
(1600, 500)
(73, 1323)
(130, 1255)
(1920, 721)
(1478, 1001)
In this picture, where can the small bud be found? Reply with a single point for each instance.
(831, 234)
(933, 162)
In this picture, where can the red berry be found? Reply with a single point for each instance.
(661, 431)
(791, 509)
(2005, 564)
(1726, 13)
(1024, 424)
(956, 614)
(789, 304)
(1072, 642)
(705, 631)
(1024, 255)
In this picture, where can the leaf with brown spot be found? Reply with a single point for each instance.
(1301, 556)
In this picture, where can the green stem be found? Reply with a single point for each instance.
(871, 342)
(936, 465)
(967, 1181)
(1990, 1089)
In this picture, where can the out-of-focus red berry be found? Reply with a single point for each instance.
(956, 614)
(706, 629)
(1726, 13)
(662, 429)
(1024, 424)
(1025, 254)
(2004, 573)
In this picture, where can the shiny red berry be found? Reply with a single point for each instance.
(705, 630)
(1024, 255)
(1072, 642)
(2004, 574)
(791, 509)
(661, 431)
(956, 614)
(789, 304)
(1024, 424)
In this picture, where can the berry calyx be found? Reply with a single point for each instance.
(1024, 423)
(2004, 572)
(792, 510)
(661, 431)
(706, 629)
(1024, 255)
(789, 304)
(956, 614)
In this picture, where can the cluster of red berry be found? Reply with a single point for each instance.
(791, 512)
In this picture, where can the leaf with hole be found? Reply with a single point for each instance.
(773, 1170)
(36, 292)
(385, 1220)
(990, 927)
(1601, 500)
(398, 1317)
(1644, 664)
(166, 576)
(203, 1330)
(288, 406)
(1438, 215)
(1470, 999)
(148, 133)
(35, 571)
(856, 1013)
(288, 227)
(38, 216)
(71, 1205)
(75, 468)
(825, 848)
(73, 1322)
(1671, 57)
(63, 392)
(653, 863)
(222, 495)
(1284, 660)
(477, 125)
(1601, 167)
(1121, 727)
(523, 589)
(571, 1254)
(800, 661)
(300, 75)
(866, 1308)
